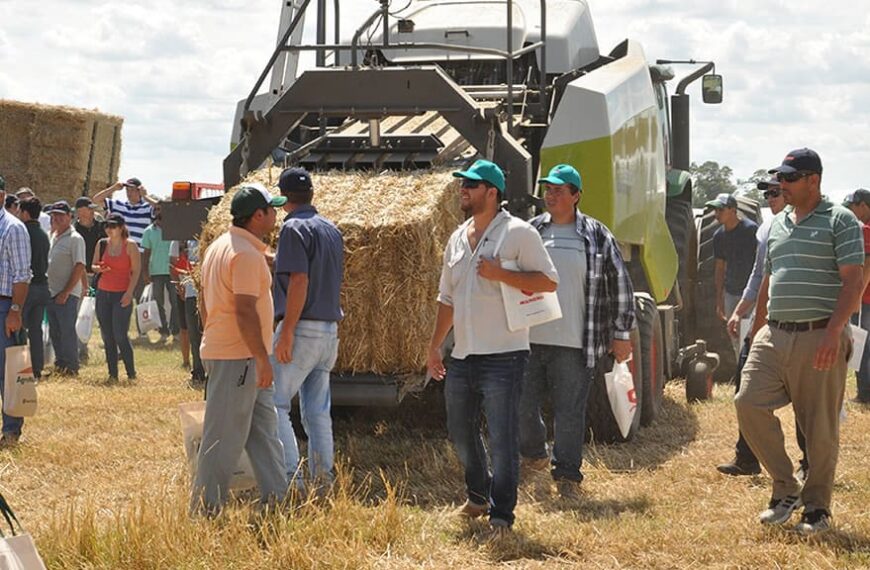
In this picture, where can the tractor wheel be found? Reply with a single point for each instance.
(699, 382)
(707, 324)
(649, 327)
(601, 426)
(681, 223)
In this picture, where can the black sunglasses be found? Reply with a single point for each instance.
(772, 193)
(793, 176)
(469, 184)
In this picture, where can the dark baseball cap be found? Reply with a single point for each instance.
(294, 179)
(253, 197)
(133, 183)
(856, 197)
(723, 200)
(766, 184)
(84, 202)
(799, 159)
(484, 171)
(59, 207)
(115, 219)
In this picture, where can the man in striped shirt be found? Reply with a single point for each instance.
(136, 209)
(812, 283)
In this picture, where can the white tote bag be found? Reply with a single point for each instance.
(525, 309)
(147, 315)
(859, 344)
(85, 319)
(18, 551)
(620, 392)
(19, 386)
(192, 419)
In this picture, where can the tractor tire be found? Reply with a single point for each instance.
(708, 325)
(681, 223)
(699, 382)
(649, 326)
(601, 426)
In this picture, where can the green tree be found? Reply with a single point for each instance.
(749, 186)
(708, 180)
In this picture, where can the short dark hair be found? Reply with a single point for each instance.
(32, 206)
(299, 198)
(242, 221)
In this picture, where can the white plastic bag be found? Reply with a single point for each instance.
(859, 343)
(17, 550)
(85, 319)
(19, 386)
(620, 392)
(47, 347)
(192, 419)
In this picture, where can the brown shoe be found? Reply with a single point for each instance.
(472, 510)
(739, 469)
(9, 440)
(537, 464)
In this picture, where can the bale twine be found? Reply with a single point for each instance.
(395, 227)
(59, 152)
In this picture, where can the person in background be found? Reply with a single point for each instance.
(14, 282)
(66, 265)
(191, 310)
(155, 265)
(179, 267)
(92, 230)
(38, 296)
(12, 205)
(24, 193)
(116, 263)
(859, 202)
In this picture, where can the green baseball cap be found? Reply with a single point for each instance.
(563, 174)
(486, 171)
(253, 197)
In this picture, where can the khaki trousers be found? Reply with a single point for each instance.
(780, 371)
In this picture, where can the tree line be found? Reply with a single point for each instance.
(710, 179)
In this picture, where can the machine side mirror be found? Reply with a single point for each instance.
(711, 88)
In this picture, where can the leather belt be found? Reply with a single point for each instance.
(799, 327)
(5, 298)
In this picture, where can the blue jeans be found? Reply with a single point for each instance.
(863, 374)
(38, 298)
(491, 382)
(62, 330)
(11, 424)
(114, 323)
(315, 348)
(161, 286)
(560, 372)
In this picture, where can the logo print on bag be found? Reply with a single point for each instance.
(25, 375)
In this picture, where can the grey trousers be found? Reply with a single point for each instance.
(238, 416)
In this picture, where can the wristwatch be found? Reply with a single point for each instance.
(15, 307)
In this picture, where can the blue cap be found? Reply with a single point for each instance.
(723, 200)
(563, 174)
(484, 171)
(294, 179)
(800, 159)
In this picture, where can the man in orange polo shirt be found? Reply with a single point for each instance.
(237, 315)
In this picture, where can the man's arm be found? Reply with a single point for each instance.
(18, 257)
(147, 197)
(100, 197)
(297, 293)
(761, 306)
(534, 281)
(443, 324)
(719, 280)
(248, 321)
(146, 257)
(852, 277)
(621, 298)
(74, 279)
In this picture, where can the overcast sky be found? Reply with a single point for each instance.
(797, 73)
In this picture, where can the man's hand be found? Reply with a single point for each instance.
(284, 347)
(490, 268)
(61, 298)
(621, 349)
(146, 279)
(734, 325)
(13, 322)
(720, 310)
(828, 350)
(435, 364)
(264, 372)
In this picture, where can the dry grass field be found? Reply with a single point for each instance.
(100, 481)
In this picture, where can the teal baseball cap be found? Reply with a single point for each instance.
(563, 174)
(485, 171)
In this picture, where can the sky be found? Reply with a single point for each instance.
(796, 73)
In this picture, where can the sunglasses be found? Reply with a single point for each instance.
(792, 176)
(469, 184)
(772, 193)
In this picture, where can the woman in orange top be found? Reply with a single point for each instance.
(116, 263)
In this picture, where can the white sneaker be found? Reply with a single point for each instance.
(780, 510)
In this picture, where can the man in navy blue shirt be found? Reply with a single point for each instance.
(309, 266)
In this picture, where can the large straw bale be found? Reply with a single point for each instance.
(48, 148)
(395, 226)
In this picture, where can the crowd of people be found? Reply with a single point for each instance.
(263, 326)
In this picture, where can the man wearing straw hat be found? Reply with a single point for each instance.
(488, 360)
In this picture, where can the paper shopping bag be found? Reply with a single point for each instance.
(620, 392)
(19, 386)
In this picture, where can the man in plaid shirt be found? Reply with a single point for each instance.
(597, 302)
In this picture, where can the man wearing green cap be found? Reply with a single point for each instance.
(237, 338)
(488, 359)
(597, 302)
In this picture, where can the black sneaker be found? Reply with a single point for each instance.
(814, 522)
(780, 510)
(737, 468)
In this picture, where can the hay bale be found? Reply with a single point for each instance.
(60, 152)
(395, 227)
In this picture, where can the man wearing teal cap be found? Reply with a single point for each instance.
(597, 302)
(488, 359)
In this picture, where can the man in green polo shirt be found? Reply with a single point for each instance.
(812, 283)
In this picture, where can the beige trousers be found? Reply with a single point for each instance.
(780, 371)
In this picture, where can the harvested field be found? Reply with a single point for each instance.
(59, 152)
(101, 481)
(395, 227)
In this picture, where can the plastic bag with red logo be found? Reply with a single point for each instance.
(620, 392)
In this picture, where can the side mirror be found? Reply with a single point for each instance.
(711, 88)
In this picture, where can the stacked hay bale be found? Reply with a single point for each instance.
(60, 152)
(395, 227)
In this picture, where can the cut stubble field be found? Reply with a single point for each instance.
(100, 480)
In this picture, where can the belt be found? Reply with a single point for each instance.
(799, 327)
(5, 298)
